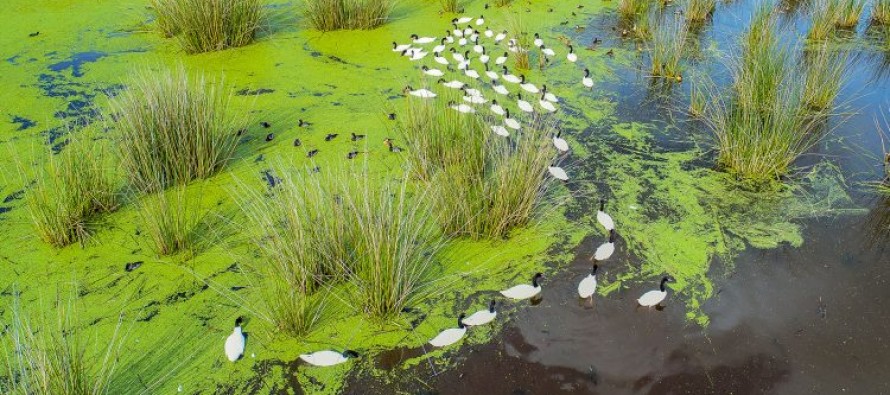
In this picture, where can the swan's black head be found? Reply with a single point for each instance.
(571, 48)
(611, 235)
(452, 50)
(665, 279)
(536, 278)
(522, 79)
(414, 36)
(537, 36)
(491, 305)
(441, 80)
(454, 20)
(350, 354)
(586, 72)
(602, 204)
(595, 267)
(460, 321)
(239, 321)
(424, 68)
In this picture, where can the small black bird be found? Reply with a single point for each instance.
(574, 14)
(270, 137)
(311, 153)
(610, 53)
(357, 137)
(392, 147)
(352, 155)
(316, 169)
(130, 266)
(486, 6)
(266, 124)
(550, 10)
(270, 179)
(597, 40)
(330, 136)
(35, 34)
(580, 6)
(304, 124)
(297, 143)
(392, 115)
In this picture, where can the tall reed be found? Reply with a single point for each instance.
(825, 74)
(329, 15)
(209, 25)
(698, 11)
(75, 188)
(824, 18)
(451, 6)
(849, 12)
(174, 128)
(629, 10)
(172, 220)
(517, 30)
(880, 12)
(667, 47)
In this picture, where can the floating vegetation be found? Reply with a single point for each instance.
(174, 128)
(75, 188)
(485, 185)
(848, 13)
(667, 46)
(502, 3)
(825, 74)
(329, 15)
(209, 25)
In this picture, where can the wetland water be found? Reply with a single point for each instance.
(803, 312)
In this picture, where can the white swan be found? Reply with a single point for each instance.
(558, 173)
(560, 143)
(603, 218)
(328, 357)
(654, 297)
(587, 287)
(605, 250)
(500, 130)
(451, 335)
(235, 342)
(524, 291)
(496, 108)
(482, 317)
(422, 40)
(571, 56)
(587, 81)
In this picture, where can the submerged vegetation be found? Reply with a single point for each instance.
(483, 185)
(329, 15)
(174, 128)
(209, 25)
(68, 196)
(316, 230)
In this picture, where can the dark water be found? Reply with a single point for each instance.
(808, 320)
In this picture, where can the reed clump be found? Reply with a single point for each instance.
(825, 74)
(517, 30)
(823, 22)
(667, 47)
(487, 185)
(698, 11)
(330, 15)
(630, 10)
(71, 193)
(172, 220)
(209, 25)
(174, 128)
(449, 6)
(848, 13)
(880, 12)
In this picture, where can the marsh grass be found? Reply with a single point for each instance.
(72, 192)
(502, 3)
(630, 10)
(667, 47)
(698, 11)
(484, 185)
(825, 74)
(697, 100)
(517, 30)
(173, 221)
(880, 12)
(52, 358)
(316, 230)
(848, 13)
(824, 17)
(449, 6)
(209, 25)
(174, 128)
(329, 15)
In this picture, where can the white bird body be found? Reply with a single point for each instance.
(478, 48)
(492, 75)
(468, 31)
(528, 87)
(654, 297)
(472, 73)
(423, 93)
(463, 108)
(433, 72)
(550, 97)
(605, 250)
(587, 82)
(510, 122)
(451, 335)
(400, 48)
(604, 218)
(484, 58)
(481, 317)
(489, 33)
(475, 99)
(500, 37)
(538, 41)
(587, 287)
(511, 78)
(572, 56)
(560, 143)
(473, 92)
(463, 65)
(457, 32)
(546, 105)
(558, 173)
(440, 60)
(418, 55)
(497, 109)
(462, 42)
(548, 51)
(458, 57)
(524, 291)
(324, 358)
(464, 19)
(501, 60)
(500, 89)
(474, 38)
(439, 48)
(454, 84)
(500, 130)
(449, 39)
(234, 346)
(424, 40)
(480, 21)
(524, 105)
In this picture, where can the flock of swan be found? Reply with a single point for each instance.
(468, 48)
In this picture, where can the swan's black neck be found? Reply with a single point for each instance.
(612, 236)
(602, 204)
(664, 280)
(593, 272)
(491, 307)
(460, 321)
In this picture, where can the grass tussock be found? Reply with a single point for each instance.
(880, 12)
(316, 230)
(849, 12)
(502, 3)
(667, 47)
(449, 6)
(823, 20)
(630, 10)
(55, 356)
(76, 187)
(698, 11)
(825, 74)
(209, 25)
(172, 220)
(521, 57)
(329, 15)
(484, 185)
(762, 124)
(174, 128)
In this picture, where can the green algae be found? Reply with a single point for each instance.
(676, 215)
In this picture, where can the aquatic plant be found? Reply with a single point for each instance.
(825, 74)
(667, 46)
(848, 12)
(502, 3)
(173, 128)
(824, 18)
(629, 10)
(209, 25)
(451, 6)
(697, 99)
(763, 63)
(484, 185)
(329, 15)
(171, 219)
(517, 30)
(75, 188)
(698, 11)
(52, 359)
(880, 12)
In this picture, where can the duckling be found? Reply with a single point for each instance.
(357, 137)
(392, 116)
(266, 124)
(240, 132)
(132, 266)
(270, 136)
(330, 136)
(352, 154)
(392, 147)
(304, 124)
(297, 143)
(610, 53)
(312, 153)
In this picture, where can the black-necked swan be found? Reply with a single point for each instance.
(451, 335)
(655, 296)
(587, 287)
(328, 357)
(524, 291)
(603, 218)
(482, 317)
(605, 250)
(235, 342)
